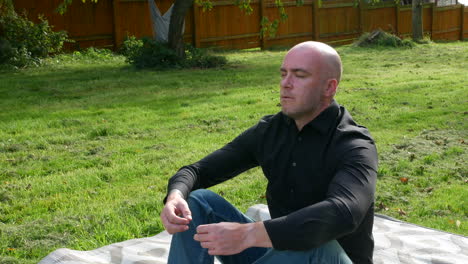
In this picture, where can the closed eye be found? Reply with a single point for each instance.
(301, 75)
(283, 73)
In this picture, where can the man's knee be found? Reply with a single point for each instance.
(201, 198)
(333, 252)
(199, 195)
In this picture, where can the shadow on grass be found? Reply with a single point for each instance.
(106, 86)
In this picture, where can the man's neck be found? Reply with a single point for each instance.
(301, 122)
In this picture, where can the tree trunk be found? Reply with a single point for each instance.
(175, 36)
(417, 20)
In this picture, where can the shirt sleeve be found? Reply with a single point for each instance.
(221, 165)
(349, 197)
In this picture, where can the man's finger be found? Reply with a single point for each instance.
(202, 237)
(173, 228)
(178, 220)
(207, 244)
(203, 229)
(184, 210)
(175, 219)
(188, 215)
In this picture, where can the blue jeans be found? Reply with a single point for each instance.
(208, 207)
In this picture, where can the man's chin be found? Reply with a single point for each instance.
(288, 113)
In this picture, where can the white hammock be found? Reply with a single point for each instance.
(160, 23)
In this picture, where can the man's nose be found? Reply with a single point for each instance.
(286, 81)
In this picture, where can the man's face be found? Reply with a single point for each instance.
(301, 84)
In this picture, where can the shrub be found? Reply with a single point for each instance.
(89, 55)
(384, 39)
(92, 53)
(131, 46)
(152, 54)
(24, 43)
(6, 50)
(148, 53)
(202, 59)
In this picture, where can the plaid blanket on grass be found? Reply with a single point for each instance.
(396, 242)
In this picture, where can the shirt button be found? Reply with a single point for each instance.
(294, 164)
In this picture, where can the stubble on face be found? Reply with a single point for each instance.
(301, 84)
(310, 74)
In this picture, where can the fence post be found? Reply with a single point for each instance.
(315, 13)
(195, 24)
(361, 19)
(462, 21)
(115, 4)
(434, 5)
(262, 11)
(397, 25)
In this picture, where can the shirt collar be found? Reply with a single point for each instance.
(325, 119)
(322, 122)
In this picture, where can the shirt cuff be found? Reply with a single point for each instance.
(278, 233)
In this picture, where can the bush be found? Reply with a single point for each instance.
(202, 59)
(95, 54)
(24, 43)
(151, 54)
(384, 39)
(131, 47)
(148, 53)
(6, 50)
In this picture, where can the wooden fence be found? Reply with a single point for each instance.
(108, 22)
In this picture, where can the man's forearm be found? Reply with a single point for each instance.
(228, 238)
(258, 236)
(174, 192)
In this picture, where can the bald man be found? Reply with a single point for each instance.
(321, 170)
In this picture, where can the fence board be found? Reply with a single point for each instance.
(405, 24)
(465, 23)
(427, 19)
(339, 24)
(233, 29)
(132, 18)
(379, 18)
(298, 27)
(91, 24)
(107, 23)
(446, 23)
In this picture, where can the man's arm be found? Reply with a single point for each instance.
(222, 238)
(232, 238)
(349, 198)
(176, 214)
(225, 163)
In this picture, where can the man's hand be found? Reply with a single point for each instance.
(176, 214)
(231, 238)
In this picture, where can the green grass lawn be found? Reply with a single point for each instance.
(87, 143)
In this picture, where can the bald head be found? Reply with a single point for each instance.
(326, 57)
(310, 74)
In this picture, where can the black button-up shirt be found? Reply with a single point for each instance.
(321, 180)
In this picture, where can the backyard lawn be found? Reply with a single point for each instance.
(87, 143)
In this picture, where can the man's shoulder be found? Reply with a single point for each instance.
(347, 126)
(350, 134)
(351, 142)
(266, 123)
(269, 119)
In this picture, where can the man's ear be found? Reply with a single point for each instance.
(332, 85)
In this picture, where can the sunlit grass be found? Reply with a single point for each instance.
(87, 145)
